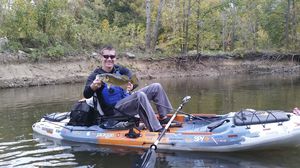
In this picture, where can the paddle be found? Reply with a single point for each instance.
(148, 159)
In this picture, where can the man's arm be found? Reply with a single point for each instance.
(90, 86)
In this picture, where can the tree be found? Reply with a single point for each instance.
(148, 25)
(294, 25)
(157, 24)
(187, 17)
(287, 23)
(198, 27)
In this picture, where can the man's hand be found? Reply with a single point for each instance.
(96, 84)
(129, 87)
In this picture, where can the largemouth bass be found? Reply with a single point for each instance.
(117, 80)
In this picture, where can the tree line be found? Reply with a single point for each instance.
(56, 28)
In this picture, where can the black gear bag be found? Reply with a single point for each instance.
(84, 115)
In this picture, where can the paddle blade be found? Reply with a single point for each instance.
(147, 160)
(186, 99)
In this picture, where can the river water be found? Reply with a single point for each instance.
(21, 107)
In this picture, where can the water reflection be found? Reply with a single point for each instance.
(25, 98)
(21, 107)
(24, 154)
(224, 94)
(98, 156)
(113, 156)
(217, 160)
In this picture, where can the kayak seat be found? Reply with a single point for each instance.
(251, 117)
(118, 123)
(56, 117)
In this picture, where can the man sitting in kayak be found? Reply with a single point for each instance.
(116, 101)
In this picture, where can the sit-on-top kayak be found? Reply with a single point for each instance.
(235, 131)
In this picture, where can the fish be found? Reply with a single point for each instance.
(117, 80)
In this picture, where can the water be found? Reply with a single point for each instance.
(21, 107)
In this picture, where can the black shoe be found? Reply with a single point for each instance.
(166, 120)
(160, 130)
(133, 133)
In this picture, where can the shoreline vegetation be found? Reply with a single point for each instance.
(16, 70)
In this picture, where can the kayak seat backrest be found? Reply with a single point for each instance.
(57, 117)
(251, 117)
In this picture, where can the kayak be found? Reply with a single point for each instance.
(245, 130)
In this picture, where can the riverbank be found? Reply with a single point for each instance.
(17, 71)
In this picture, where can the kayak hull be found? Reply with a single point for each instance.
(193, 135)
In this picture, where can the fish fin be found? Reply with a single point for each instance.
(124, 77)
(100, 77)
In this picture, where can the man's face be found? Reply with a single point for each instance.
(108, 58)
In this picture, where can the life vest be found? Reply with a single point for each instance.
(111, 95)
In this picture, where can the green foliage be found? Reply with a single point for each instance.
(55, 51)
(54, 28)
(133, 36)
(122, 12)
(35, 55)
(13, 46)
(273, 21)
(19, 23)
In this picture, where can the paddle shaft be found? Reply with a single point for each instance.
(185, 100)
(168, 125)
(148, 158)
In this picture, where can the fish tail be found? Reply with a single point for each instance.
(134, 79)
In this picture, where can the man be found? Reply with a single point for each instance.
(116, 101)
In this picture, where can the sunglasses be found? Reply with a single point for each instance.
(109, 56)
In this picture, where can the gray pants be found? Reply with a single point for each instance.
(139, 103)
